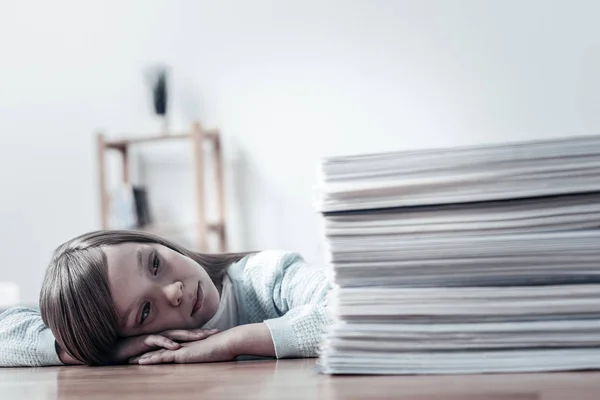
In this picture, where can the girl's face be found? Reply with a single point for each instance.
(155, 289)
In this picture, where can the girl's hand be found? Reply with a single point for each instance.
(131, 347)
(251, 339)
(212, 349)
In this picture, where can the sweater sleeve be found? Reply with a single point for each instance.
(25, 341)
(298, 292)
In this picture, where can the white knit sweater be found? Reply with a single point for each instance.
(275, 287)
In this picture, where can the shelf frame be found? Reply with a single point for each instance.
(198, 137)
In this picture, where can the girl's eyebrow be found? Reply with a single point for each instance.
(123, 321)
(126, 317)
(139, 254)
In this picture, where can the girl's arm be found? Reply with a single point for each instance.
(25, 341)
(299, 294)
(250, 339)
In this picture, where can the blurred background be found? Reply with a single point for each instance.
(285, 82)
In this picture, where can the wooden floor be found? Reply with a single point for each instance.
(288, 379)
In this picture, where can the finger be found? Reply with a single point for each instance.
(205, 330)
(157, 357)
(189, 335)
(136, 359)
(154, 341)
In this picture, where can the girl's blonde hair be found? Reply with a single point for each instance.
(75, 300)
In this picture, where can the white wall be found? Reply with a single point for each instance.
(287, 82)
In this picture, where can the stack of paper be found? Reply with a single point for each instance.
(479, 259)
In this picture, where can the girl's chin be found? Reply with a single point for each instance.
(207, 316)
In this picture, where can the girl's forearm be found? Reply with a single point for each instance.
(251, 340)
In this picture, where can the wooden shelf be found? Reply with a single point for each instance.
(180, 228)
(198, 137)
(120, 144)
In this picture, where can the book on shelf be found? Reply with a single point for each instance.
(130, 208)
(464, 260)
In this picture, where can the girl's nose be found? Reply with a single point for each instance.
(174, 293)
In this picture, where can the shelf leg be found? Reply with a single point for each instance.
(198, 137)
(125, 159)
(220, 193)
(101, 147)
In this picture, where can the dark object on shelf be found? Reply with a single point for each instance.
(159, 93)
(142, 210)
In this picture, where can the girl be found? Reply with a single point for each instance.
(125, 296)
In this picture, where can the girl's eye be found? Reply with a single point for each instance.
(155, 264)
(145, 312)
